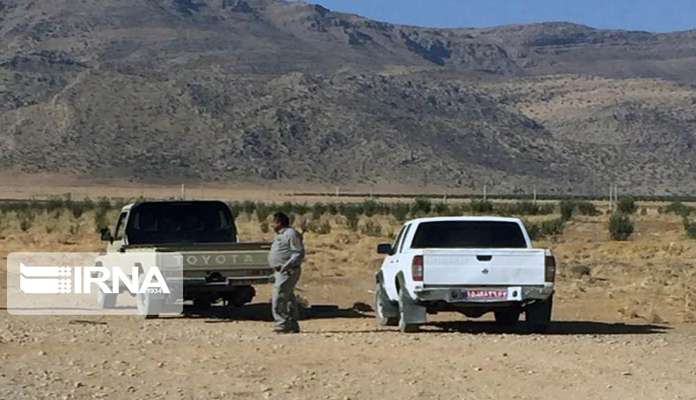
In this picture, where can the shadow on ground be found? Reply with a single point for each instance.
(262, 312)
(556, 328)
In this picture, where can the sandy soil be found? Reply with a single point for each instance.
(623, 329)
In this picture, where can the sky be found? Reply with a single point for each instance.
(648, 15)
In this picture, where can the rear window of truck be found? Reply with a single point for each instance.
(469, 235)
(170, 223)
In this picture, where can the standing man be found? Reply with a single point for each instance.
(286, 256)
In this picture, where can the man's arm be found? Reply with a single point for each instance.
(296, 252)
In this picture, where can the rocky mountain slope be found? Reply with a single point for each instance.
(261, 90)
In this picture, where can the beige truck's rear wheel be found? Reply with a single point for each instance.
(106, 301)
(150, 305)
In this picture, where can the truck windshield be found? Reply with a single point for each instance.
(469, 235)
(168, 223)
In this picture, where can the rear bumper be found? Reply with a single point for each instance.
(203, 284)
(453, 294)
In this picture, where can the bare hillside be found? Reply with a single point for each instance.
(235, 90)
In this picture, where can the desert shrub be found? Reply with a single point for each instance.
(481, 206)
(678, 208)
(620, 227)
(101, 219)
(301, 209)
(263, 211)
(352, 221)
(77, 208)
(587, 208)
(421, 206)
(441, 208)
(399, 211)
(54, 203)
(567, 209)
(543, 229)
(534, 231)
(332, 208)
(323, 228)
(524, 208)
(88, 204)
(25, 224)
(546, 209)
(643, 211)
(627, 205)
(370, 208)
(318, 209)
(552, 227)
(691, 230)
(264, 226)
(74, 229)
(519, 208)
(371, 228)
(248, 207)
(101, 213)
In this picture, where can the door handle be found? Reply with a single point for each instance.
(484, 258)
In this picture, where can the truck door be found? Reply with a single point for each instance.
(393, 263)
(119, 233)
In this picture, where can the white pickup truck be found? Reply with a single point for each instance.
(471, 265)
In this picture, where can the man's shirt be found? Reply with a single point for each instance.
(287, 250)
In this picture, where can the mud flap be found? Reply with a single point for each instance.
(414, 314)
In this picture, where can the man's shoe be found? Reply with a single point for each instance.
(282, 331)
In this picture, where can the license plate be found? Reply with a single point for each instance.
(480, 295)
(486, 294)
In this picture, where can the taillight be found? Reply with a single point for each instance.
(550, 268)
(417, 269)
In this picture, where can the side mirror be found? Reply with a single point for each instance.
(384, 248)
(106, 235)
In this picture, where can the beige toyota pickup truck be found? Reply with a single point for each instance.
(203, 236)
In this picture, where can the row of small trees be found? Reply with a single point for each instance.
(685, 212)
(620, 224)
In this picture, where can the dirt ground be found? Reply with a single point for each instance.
(624, 328)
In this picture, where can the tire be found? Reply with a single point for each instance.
(507, 317)
(380, 306)
(404, 302)
(149, 305)
(538, 315)
(202, 302)
(106, 301)
(241, 296)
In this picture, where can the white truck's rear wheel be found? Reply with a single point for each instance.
(384, 310)
(404, 313)
(538, 315)
(507, 317)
